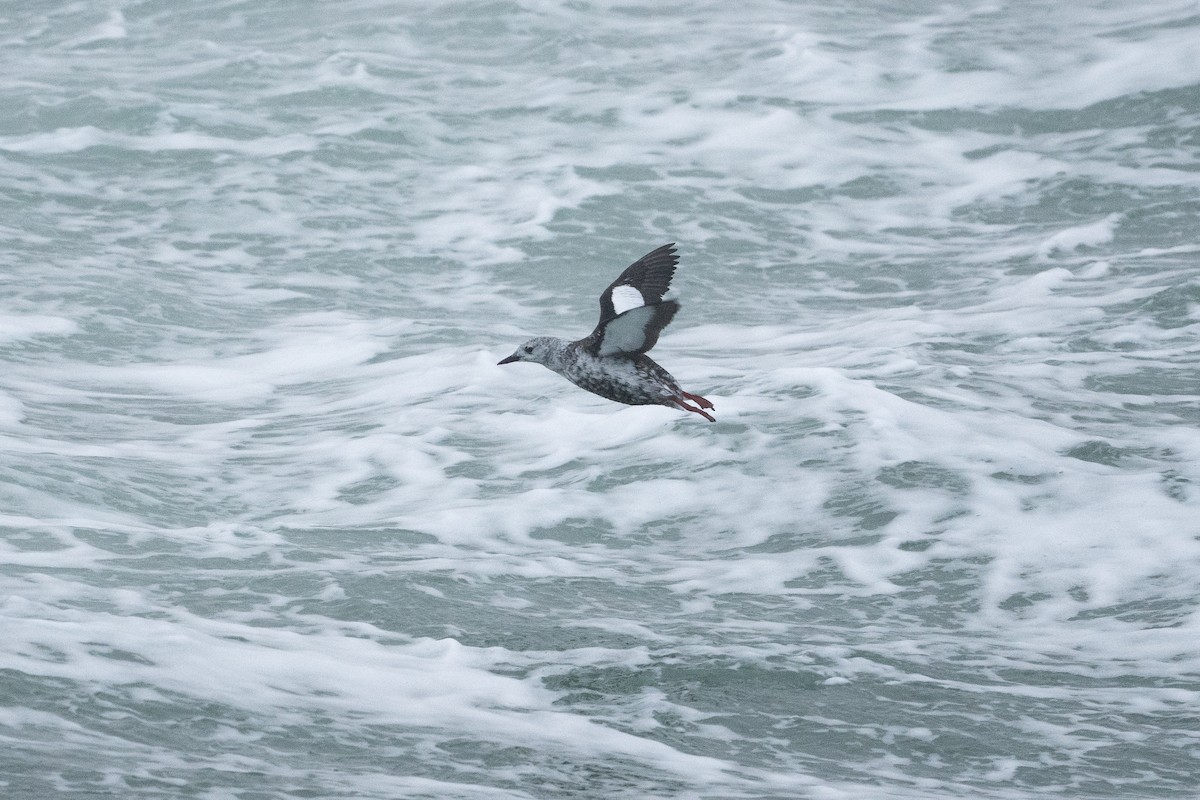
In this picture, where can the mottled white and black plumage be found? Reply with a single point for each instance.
(612, 360)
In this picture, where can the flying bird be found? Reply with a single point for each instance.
(611, 361)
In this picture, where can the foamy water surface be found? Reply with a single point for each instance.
(274, 524)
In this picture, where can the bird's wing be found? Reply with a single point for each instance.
(632, 311)
(643, 283)
(633, 332)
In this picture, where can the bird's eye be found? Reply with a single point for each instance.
(528, 348)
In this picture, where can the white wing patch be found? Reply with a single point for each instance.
(625, 298)
(626, 333)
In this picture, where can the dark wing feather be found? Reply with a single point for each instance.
(650, 275)
(632, 311)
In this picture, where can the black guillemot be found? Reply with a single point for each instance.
(612, 360)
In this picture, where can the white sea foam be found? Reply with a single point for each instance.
(29, 326)
(74, 140)
(112, 28)
(1097, 233)
(273, 521)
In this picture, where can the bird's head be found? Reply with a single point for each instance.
(539, 350)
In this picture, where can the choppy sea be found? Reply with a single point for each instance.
(274, 524)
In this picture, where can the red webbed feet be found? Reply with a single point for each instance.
(698, 400)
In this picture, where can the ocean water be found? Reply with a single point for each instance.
(274, 524)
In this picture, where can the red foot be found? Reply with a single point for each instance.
(679, 401)
(697, 399)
